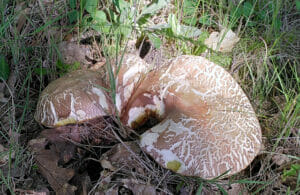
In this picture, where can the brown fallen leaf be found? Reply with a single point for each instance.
(60, 144)
(139, 188)
(280, 159)
(47, 162)
(72, 52)
(122, 154)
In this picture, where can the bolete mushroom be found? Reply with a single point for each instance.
(208, 125)
(74, 98)
(80, 96)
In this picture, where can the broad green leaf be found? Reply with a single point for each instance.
(101, 28)
(125, 30)
(4, 69)
(189, 31)
(155, 40)
(154, 7)
(175, 27)
(91, 6)
(99, 16)
(160, 26)
(121, 5)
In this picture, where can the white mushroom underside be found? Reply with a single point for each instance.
(213, 128)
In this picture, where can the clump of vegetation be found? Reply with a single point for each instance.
(265, 62)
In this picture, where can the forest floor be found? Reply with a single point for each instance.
(41, 40)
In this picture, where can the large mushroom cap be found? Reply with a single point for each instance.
(210, 126)
(78, 96)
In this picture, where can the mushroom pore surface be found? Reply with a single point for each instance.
(209, 126)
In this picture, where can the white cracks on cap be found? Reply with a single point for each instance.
(53, 111)
(81, 114)
(159, 106)
(150, 137)
(210, 125)
(133, 71)
(127, 91)
(118, 102)
(102, 98)
(73, 98)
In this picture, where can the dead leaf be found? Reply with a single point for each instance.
(47, 162)
(105, 180)
(223, 41)
(97, 65)
(280, 159)
(121, 154)
(72, 52)
(138, 188)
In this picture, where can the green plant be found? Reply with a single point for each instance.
(294, 171)
(4, 68)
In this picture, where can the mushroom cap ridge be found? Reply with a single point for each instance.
(210, 125)
(132, 71)
(73, 98)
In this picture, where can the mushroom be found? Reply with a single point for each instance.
(74, 98)
(131, 72)
(80, 96)
(208, 126)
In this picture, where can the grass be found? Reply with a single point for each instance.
(265, 62)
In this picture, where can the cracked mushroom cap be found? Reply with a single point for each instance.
(132, 71)
(73, 98)
(209, 126)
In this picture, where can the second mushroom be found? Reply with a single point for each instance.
(208, 126)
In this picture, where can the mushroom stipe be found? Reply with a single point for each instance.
(207, 125)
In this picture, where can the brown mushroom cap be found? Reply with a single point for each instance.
(209, 127)
(132, 71)
(73, 98)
